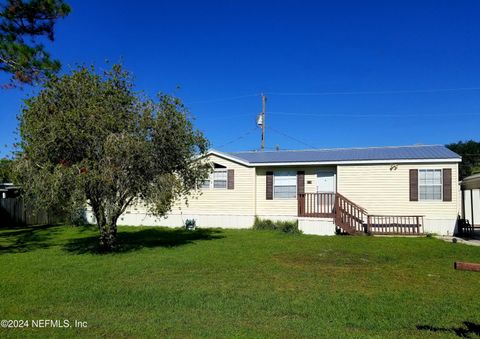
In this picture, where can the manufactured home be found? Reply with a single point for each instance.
(380, 190)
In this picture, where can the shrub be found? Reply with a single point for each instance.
(288, 226)
(263, 224)
(283, 226)
(77, 217)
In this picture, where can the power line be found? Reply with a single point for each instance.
(406, 91)
(222, 99)
(397, 115)
(290, 137)
(242, 136)
(224, 117)
(342, 115)
(433, 90)
(402, 91)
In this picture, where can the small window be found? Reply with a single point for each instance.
(220, 178)
(430, 184)
(285, 185)
(205, 184)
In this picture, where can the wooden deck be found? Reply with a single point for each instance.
(351, 218)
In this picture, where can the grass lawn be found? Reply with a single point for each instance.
(247, 283)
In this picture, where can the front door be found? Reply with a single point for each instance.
(326, 182)
(326, 188)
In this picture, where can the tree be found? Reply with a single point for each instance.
(22, 24)
(5, 170)
(470, 153)
(89, 138)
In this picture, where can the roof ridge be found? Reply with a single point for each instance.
(338, 148)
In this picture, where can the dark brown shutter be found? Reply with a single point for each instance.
(269, 185)
(230, 179)
(300, 182)
(413, 185)
(447, 184)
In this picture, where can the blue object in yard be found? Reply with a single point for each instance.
(190, 224)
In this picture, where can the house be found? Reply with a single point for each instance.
(8, 190)
(382, 190)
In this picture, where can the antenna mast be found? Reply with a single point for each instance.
(264, 106)
(261, 119)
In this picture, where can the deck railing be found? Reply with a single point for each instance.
(316, 205)
(388, 224)
(464, 228)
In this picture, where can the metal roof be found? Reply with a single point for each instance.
(471, 182)
(416, 152)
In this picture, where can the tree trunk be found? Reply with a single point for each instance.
(107, 217)
(108, 238)
(107, 228)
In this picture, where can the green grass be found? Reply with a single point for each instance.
(224, 283)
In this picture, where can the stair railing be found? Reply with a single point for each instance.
(349, 217)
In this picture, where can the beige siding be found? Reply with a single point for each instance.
(239, 201)
(382, 189)
(284, 207)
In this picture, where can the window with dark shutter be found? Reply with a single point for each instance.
(447, 184)
(230, 179)
(220, 178)
(269, 188)
(430, 184)
(413, 185)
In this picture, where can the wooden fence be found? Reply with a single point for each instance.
(14, 211)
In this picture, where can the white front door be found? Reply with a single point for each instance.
(325, 181)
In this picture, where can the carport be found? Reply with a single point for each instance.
(470, 188)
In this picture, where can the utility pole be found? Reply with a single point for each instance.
(264, 104)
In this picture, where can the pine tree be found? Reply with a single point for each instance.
(22, 24)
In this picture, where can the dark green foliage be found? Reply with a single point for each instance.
(282, 226)
(470, 153)
(77, 217)
(22, 24)
(263, 224)
(288, 227)
(6, 170)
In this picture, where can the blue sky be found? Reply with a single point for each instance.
(337, 73)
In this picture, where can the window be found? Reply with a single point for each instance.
(217, 179)
(285, 185)
(430, 184)
(205, 184)
(220, 178)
